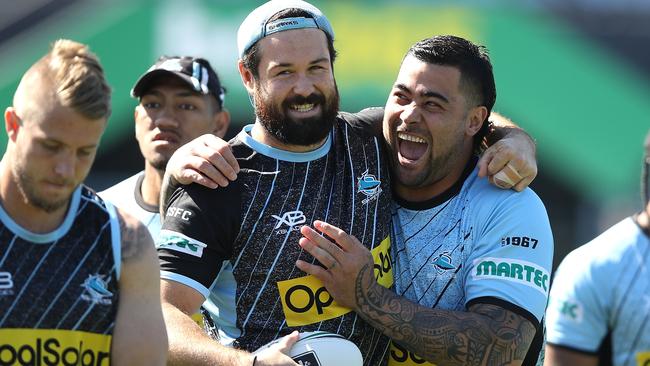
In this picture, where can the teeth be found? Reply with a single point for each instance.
(302, 107)
(407, 137)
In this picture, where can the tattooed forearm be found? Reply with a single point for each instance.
(487, 335)
(134, 237)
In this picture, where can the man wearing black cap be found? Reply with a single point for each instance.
(181, 98)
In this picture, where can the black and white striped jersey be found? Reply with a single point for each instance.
(238, 245)
(59, 291)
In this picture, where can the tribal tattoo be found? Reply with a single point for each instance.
(486, 335)
(134, 238)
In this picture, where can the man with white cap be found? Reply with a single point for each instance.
(299, 162)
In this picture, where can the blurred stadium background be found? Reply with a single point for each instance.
(574, 73)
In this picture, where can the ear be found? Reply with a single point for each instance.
(246, 77)
(475, 120)
(12, 123)
(221, 123)
(136, 111)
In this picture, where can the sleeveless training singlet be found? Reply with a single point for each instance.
(59, 291)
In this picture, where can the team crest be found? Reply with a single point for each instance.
(96, 291)
(370, 186)
(443, 263)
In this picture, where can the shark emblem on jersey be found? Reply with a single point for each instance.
(443, 263)
(95, 290)
(369, 185)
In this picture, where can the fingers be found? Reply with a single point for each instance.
(484, 161)
(317, 250)
(194, 169)
(288, 341)
(509, 166)
(507, 177)
(524, 183)
(343, 239)
(314, 270)
(220, 148)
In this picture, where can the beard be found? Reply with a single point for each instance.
(27, 187)
(159, 162)
(293, 131)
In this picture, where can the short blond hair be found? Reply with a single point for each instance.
(77, 78)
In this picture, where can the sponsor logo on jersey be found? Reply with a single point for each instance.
(96, 290)
(383, 263)
(443, 263)
(526, 273)
(369, 185)
(643, 358)
(179, 212)
(54, 347)
(291, 219)
(305, 300)
(571, 309)
(399, 355)
(6, 284)
(180, 243)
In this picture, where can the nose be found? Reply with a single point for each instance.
(165, 118)
(304, 85)
(410, 113)
(65, 165)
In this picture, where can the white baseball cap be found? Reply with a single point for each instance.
(257, 26)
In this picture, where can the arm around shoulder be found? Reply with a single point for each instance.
(140, 337)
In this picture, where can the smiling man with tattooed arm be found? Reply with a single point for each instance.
(471, 262)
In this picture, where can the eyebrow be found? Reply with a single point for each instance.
(427, 93)
(58, 142)
(288, 64)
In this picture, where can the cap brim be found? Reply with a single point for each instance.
(144, 83)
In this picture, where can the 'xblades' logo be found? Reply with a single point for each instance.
(292, 219)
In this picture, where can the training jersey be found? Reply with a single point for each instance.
(59, 291)
(246, 235)
(127, 195)
(600, 298)
(472, 244)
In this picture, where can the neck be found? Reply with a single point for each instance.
(430, 191)
(151, 185)
(28, 216)
(260, 134)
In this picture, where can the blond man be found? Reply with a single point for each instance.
(78, 278)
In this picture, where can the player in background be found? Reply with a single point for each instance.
(599, 309)
(78, 278)
(471, 262)
(180, 98)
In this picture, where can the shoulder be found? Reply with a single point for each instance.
(367, 121)
(135, 237)
(489, 201)
(122, 190)
(606, 254)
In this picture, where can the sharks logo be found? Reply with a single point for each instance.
(95, 290)
(443, 263)
(369, 185)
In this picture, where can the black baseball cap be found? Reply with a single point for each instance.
(196, 72)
